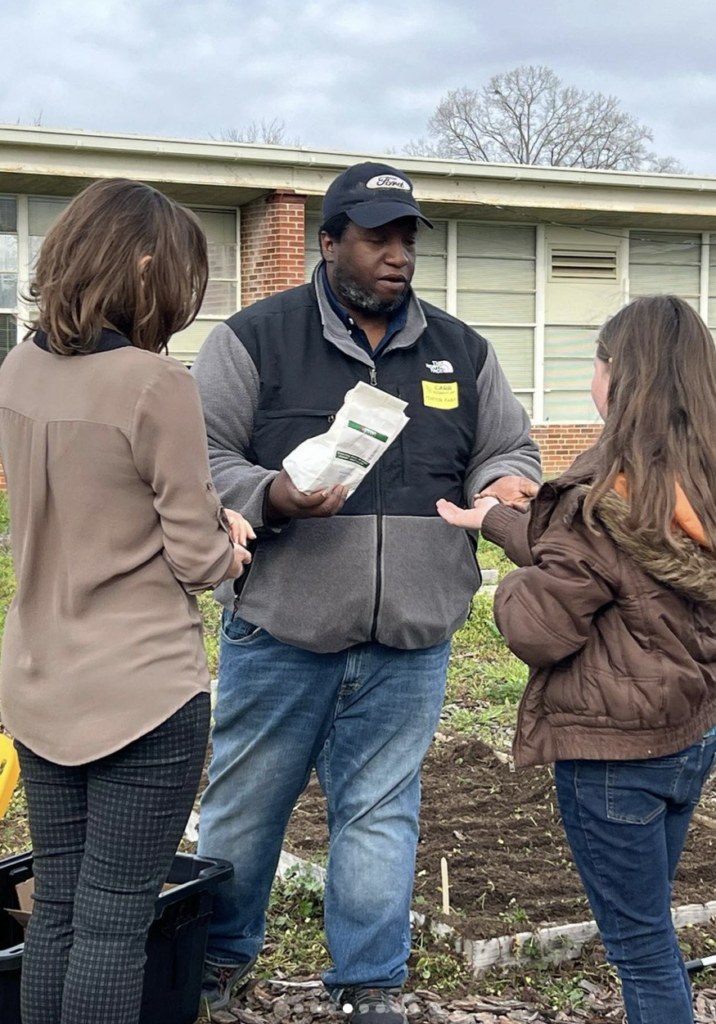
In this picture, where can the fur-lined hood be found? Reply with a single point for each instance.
(691, 571)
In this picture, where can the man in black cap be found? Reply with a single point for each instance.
(334, 650)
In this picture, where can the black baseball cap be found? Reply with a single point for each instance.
(372, 195)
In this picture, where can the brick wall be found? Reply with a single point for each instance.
(560, 444)
(272, 245)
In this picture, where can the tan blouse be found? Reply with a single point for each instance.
(115, 524)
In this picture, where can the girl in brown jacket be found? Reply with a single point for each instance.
(115, 527)
(614, 611)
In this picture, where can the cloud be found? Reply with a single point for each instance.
(363, 76)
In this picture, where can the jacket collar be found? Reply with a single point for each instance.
(335, 331)
(108, 342)
(688, 568)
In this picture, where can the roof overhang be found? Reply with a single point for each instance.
(57, 162)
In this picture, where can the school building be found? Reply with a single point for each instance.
(535, 258)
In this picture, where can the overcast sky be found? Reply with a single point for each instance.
(361, 76)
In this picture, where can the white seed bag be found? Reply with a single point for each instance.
(364, 428)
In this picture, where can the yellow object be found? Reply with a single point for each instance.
(9, 772)
(440, 396)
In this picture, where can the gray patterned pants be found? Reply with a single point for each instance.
(104, 836)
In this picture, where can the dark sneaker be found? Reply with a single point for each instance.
(220, 984)
(373, 1005)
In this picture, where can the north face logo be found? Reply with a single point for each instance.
(388, 181)
(440, 366)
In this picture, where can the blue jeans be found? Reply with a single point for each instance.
(626, 822)
(364, 718)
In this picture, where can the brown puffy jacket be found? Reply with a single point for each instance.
(620, 638)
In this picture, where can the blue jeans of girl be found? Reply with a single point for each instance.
(626, 822)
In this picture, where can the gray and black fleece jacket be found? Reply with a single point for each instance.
(387, 568)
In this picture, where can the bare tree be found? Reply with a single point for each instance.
(268, 133)
(528, 116)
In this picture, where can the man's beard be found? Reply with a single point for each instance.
(354, 296)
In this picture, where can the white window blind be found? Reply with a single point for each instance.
(568, 367)
(665, 262)
(712, 285)
(313, 249)
(8, 274)
(496, 295)
(221, 299)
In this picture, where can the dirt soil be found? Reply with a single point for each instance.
(510, 868)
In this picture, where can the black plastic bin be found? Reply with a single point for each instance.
(175, 947)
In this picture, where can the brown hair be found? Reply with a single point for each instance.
(90, 276)
(661, 417)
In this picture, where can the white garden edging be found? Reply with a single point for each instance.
(555, 943)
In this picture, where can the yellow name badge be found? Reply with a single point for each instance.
(440, 396)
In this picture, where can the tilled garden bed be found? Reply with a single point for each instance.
(510, 869)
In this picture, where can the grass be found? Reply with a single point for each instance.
(492, 557)
(211, 616)
(485, 681)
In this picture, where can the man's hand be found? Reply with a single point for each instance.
(467, 518)
(513, 491)
(285, 501)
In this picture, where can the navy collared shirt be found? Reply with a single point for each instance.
(396, 320)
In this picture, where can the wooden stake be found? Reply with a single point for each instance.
(446, 885)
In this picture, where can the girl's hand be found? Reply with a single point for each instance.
(240, 530)
(467, 518)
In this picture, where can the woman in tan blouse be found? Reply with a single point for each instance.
(115, 527)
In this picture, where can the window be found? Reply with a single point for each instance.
(221, 299)
(313, 248)
(430, 281)
(220, 229)
(662, 262)
(496, 295)
(568, 365)
(711, 256)
(42, 214)
(8, 274)
(8, 333)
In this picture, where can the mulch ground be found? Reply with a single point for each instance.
(305, 1003)
(509, 865)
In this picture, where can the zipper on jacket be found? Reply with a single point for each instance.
(379, 531)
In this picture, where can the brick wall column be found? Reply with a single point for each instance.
(273, 244)
(560, 443)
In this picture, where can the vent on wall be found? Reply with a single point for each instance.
(583, 264)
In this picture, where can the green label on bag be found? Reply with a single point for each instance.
(367, 430)
(349, 457)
